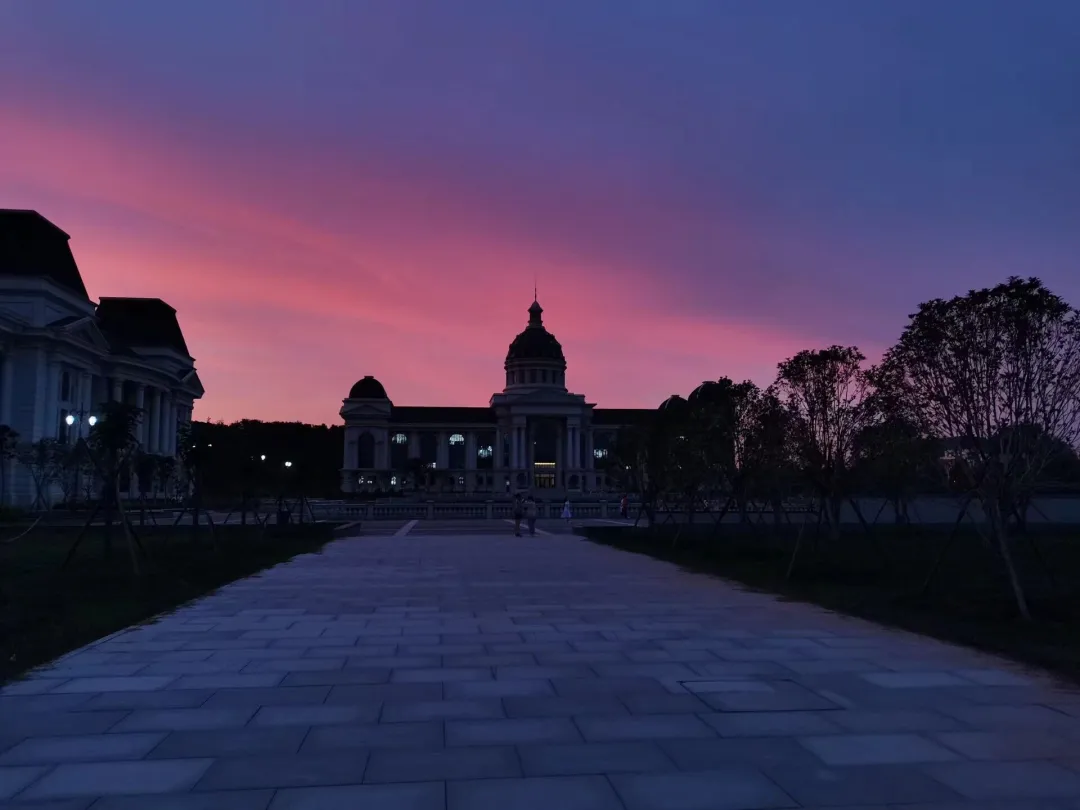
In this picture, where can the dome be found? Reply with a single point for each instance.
(367, 388)
(704, 392)
(673, 405)
(536, 342)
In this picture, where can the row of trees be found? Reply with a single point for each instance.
(69, 467)
(980, 398)
(248, 458)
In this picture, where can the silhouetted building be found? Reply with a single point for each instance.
(534, 434)
(63, 355)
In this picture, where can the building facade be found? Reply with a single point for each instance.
(533, 435)
(63, 355)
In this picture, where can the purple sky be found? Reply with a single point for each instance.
(335, 188)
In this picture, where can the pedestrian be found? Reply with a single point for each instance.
(624, 506)
(566, 512)
(517, 511)
(530, 515)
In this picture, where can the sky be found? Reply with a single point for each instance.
(698, 188)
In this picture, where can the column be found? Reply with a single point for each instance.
(41, 387)
(170, 427)
(470, 450)
(7, 374)
(140, 403)
(589, 457)
(530, 454)
(577, 447)
(86, 398)
(52, 402)
(6, 377)
(442, 452)
(117, 389)
(497, 462)
(560, 457)
(153, 432)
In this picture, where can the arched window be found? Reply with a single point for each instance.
(400, 438)
(456, 455)
(393, 480)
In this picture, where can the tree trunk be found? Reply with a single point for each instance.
(999, 530)
(832, 504)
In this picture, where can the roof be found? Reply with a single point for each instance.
(140, 322)
(33, 247)
(421, 414)
(536, 342)
(367, 388)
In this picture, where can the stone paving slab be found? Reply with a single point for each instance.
(467, 672)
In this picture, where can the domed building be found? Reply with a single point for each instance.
(533, 435)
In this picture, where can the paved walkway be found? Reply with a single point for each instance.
(423, 673)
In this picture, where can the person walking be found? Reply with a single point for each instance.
(624, 506)
(530, 515)
(566, 512)
(518, 510)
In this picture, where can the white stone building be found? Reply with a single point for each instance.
(63, 355)
(534, 434)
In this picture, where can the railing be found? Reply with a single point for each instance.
(434, 510)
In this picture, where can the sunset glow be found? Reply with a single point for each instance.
(327, 190)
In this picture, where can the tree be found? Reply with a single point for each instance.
(725, 415)
(9, 442)
(40, 459)
(636, 463)
(769, 461)
(998, 371)
(826, 391)
(111, 448)
(68, 462)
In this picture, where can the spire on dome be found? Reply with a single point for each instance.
(535, 313)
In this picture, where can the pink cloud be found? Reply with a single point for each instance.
(284, 311)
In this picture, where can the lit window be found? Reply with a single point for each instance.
(461, 480)
(485, 452)
(393, 480)
(457, 438)
(400, 438)
(600, 452)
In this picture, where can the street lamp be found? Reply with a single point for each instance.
(72, 418)
(287, 463)
(262, 457)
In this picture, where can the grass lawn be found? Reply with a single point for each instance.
(880, 577)
(46, 612)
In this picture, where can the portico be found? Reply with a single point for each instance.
(62, 356)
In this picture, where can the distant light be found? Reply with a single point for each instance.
(209, 445)
(70, 419)
(288, 463)
(262, 457)
(92, 421)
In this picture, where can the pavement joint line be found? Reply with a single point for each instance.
(404, 530)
